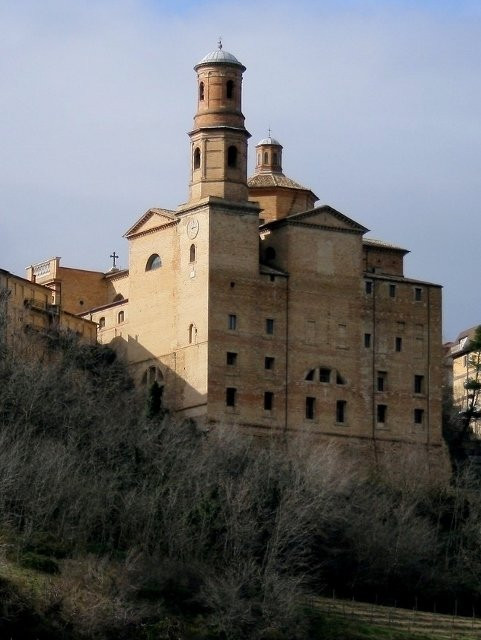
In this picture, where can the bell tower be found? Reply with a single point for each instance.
(219, 138)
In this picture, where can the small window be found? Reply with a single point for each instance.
(231, 358)
(368, 286)
(270, 253)
(259, 158)
(232, 322)
(367, 340)
(339, 378)
(229, 87)
(381, 380)
(418, 384)
(268, 400)
(120, 316)
(269, 326)
(118, 297)
(274, 158)
(418, 416)
(324, 375)
(101, 323)
(418, 294)
(399, 344)
(310, 408)
(310, 375)
(192, 333)
(153, 263)
(341, 411)
(392, 290)
(381, 413)
(232, 156)
(192, 253)
(201, 91)
(197, 158)
(266, 157)
(230, 396)
(268, 362)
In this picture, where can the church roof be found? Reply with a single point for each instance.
(219, 56)
(274, 180)
(163, 215)
(380, 244)
(268, 140)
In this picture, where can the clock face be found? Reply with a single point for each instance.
(192, 228)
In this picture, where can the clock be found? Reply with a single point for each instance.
(192, 228)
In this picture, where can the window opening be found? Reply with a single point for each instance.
(399, 344)
(231, 358)
(418, 384)
(418, 294)
(192, 253)
(341, 411)
(310, 374)
(201, 91)
(274, 158)
(268, 362)
(266, 157)
(381, 413)
(269, 326)
(392, 290)
(268, 400)
(154, 262)
(418, 416)
(270, 253)
(232, 156)
(197, 158)
(230, 396)
(367, 340)
(324, 375)
(229, 89)
(310, 407)
(192, 333)
(340, 379)
(381, 380)
(232, 322)
(368, 286)
(101, 323)
(120, 316)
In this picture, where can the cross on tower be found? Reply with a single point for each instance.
(114, 257)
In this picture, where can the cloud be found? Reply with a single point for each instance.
(376, 104)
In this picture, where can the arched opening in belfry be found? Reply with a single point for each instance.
(229, 89)
(232, 156)
(192, 253)
(197, 158)
(201, 91)
(266, 158)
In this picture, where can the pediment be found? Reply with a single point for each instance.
(151, 219)
(327, 217)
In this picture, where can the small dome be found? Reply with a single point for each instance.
(268, 140)
(219, 56)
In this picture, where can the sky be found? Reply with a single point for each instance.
(376, 103)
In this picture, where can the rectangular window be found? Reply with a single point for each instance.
(368, 285)
(324, 375)
(231, 357)
(269, 326)
(418, 384)
(341, 411)
(381, 380)
(268, 362)
(418, 416)
(232, 322)
(367, 340)
(310, 408)
(399, 344)
(268, 400)
(392, 290)
(381, 413)
(418, 294)
(230, 396)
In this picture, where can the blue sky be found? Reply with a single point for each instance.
(377, 105)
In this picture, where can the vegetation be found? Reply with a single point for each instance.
(118, 522)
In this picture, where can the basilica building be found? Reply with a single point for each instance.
(251, 305)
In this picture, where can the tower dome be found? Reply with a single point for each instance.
(219, 56)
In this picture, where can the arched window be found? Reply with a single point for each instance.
(120, 316)
(154, 262)
(232, 156)
(259, 158)
(118, 297)
(153, 374)
(192, 334)
(101, 323)
(266, 157)
(197, 158)
(229, 89)
(274, 158)
(201, 91)
(192, 253)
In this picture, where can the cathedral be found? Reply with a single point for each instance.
(251, 305)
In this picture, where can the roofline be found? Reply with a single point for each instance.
(117, 303)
